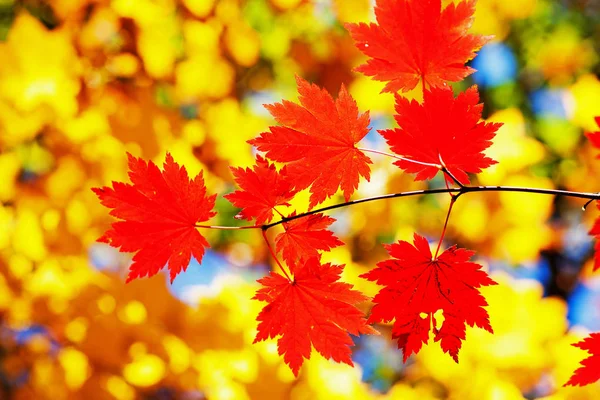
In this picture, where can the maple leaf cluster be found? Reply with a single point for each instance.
(316, 141)
(315, 147)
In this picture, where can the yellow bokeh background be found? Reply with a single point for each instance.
(83, 82)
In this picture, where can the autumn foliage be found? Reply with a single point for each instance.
(159, 212)
(442, 129)
(317, 140)
(589, 372)
(315, 146)
(417, 284)
(313, 309)
(418, 42)
(261, 190)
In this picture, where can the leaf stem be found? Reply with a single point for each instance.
(229, 228)
(452, 195)
(437, 250)
(400, 158)
(446, 171)
(264, 234)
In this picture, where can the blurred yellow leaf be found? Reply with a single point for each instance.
(118, 388)
(243, 43)
(586, 91)
(353, 10)
(200, 8)
(39, 77)
(512, 135)
(10, 166)
(146, 370)
(75, 365)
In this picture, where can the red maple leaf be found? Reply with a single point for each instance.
(442, 127)
(317, 141)
(314, 309)
(416, 286)
(304, 237)
(262, 189)
(594, 138)
(589, 372)
(595, 231)
(415, 40)
(159, 212)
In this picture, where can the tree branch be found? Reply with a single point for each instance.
(457, 191)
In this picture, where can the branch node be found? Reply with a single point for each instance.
(446, 171)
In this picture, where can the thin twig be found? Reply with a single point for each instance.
(587, 204)
(437, 250)
(452, 195)
(457, 191)
(365, 200)
(554, 192)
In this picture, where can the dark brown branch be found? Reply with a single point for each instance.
(457, 191)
